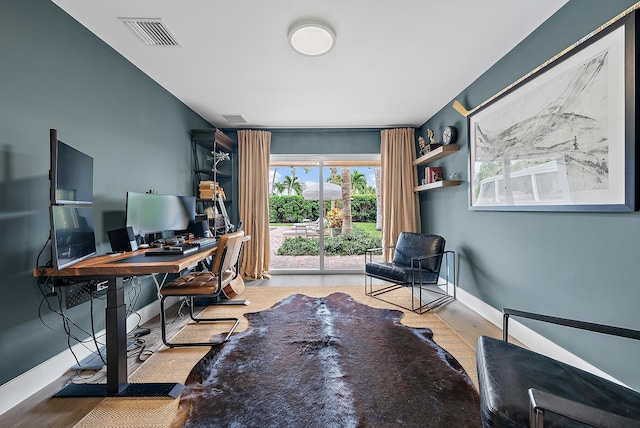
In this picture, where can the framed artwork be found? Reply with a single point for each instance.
(564, 138)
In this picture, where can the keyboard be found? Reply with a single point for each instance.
(205, 242)
(172, 250)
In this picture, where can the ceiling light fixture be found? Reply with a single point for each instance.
(312, 37)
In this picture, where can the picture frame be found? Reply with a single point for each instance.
(433, 174)
(564, 138)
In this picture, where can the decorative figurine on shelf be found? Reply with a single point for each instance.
(431, 139)
(433, 144)
(424, 147)
(217, 157)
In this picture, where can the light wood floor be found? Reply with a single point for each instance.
(40, 410)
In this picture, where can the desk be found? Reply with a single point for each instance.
(115, 269)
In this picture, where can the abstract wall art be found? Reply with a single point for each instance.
(564, 138)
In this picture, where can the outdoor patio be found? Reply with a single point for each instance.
(308, 262)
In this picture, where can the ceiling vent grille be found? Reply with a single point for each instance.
(234, 119)
(151, 31)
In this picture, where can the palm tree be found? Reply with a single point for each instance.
(273, 181)
(292, 183)
(346, 201)
(358, 182)
(369, 190)
(335, 179)
(278, 188)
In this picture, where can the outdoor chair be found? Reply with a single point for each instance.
(519, 387)
(416, 264)
(308, 229)
(224, 269)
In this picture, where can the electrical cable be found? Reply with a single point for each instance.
(67, 323)
(93, 332)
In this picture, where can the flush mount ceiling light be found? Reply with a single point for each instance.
(312, 37)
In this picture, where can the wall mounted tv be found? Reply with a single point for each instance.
(72, 234)
(71, 174)
(150, 213)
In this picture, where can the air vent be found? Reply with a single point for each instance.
(234, 119)
(151, 31)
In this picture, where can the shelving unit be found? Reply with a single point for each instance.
(436, 154)
(437, 185)
(432, 156)
(204, 142)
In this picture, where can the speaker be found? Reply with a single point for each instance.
(122, 239)
(199, 228)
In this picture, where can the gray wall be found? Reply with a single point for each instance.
(56, 74)
(576, 265)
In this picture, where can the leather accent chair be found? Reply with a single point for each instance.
(519, 387)
(416, 264)
(224, 269)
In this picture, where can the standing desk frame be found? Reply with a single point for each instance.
(114, 269)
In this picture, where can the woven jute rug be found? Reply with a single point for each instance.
(174, 365)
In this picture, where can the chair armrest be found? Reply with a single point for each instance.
(420, 259)
(370, 250)
(598, 328)
(416, 262)
(368, 253)
(541, 401)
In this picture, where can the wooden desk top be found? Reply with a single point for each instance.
(114, 265)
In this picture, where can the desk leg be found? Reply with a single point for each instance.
(117, 384)
(116, 320)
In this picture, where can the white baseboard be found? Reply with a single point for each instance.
(528, 337)
(23, 386)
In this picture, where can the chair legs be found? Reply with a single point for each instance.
(424, 296)
(163, 326)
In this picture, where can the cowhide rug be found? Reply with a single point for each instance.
(328, 362)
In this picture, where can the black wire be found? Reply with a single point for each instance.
(41, 250)
(93, 332)
(67, 323)
(133, 301)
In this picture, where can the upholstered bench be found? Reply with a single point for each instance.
(521, 388)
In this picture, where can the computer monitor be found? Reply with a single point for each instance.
(71, 174)
(150, 213)
(72, 234)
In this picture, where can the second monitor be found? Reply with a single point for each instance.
(151, 213)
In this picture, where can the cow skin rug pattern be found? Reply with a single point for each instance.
(328, 362)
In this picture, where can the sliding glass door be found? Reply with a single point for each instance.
(323, 213)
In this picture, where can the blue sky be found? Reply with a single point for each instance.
(312, 176)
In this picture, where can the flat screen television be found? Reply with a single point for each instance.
(150, 213)
(71, 174)
(72, 234)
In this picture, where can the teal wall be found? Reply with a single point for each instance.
(56, 74)
(576, 265)
(313, 141)
(325, 141)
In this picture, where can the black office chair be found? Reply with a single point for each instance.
(224, 269)
(416, 265)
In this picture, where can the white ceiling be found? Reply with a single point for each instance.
(395, 63)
